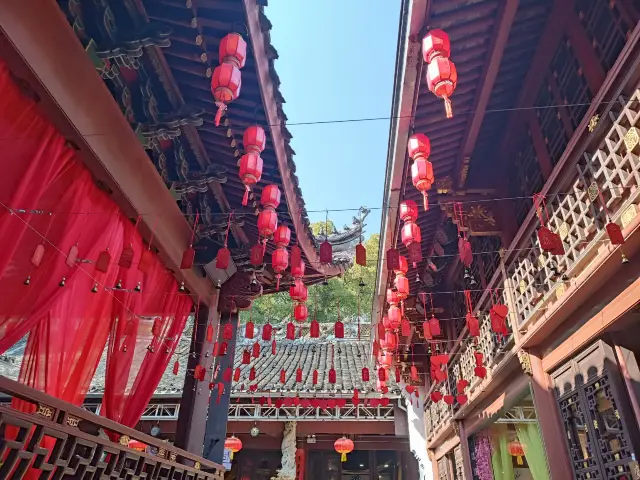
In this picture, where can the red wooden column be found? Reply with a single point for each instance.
(194, 404)
(551, 429)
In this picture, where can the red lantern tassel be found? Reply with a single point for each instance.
(447, 107)
(221, 109)
(245, 197)
(425, 201)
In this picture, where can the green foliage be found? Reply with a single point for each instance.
(319, 227)
(277, 307)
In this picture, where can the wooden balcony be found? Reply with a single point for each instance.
(64, 441)
(594, 187)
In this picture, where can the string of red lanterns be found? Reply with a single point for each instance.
(226, 80)
(442, 76)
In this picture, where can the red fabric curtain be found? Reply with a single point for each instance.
(68, 326)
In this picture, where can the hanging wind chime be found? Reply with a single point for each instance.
(442, 76)
(227, 79)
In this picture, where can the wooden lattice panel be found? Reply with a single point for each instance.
(551, 125)
(525, 178)
(577, 214)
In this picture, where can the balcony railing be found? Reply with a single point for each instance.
(601, 186)
(63, 441)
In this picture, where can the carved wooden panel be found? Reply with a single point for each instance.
(577, 213)
(550, 123)
(458, 463)
(443, 469)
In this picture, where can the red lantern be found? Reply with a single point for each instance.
(343, 445)
(390, 342)
(233, 444)
(225, 86)
(267, 223)
(403, 266)
(326, 252)
(393, 259)
(270, 197)
(365, 374)
(338, 329)
(250, 173)
(419, 147)
(410, 234)
(392, 297)
(300, 312)
(298, 291)
(395, 318)
(255, 350)
(516, 450)
(615, 233)
(233, 49)
(422, 178)
(283, 376)
(332, 375)
(386, 359)
(266, 332)
(402, 286)
(361, 255)
(408, 211)
(279, 263)
(314, 329)
(435, 44)
(291, 331)
(249, 330)
(297, 266)
(282, 236)
(298, 375)
(222, 258)
(257, 253)
(442, 78)
(254, 139)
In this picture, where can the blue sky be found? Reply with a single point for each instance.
(337, 62)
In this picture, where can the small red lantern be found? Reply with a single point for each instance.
(393, 259)
(255, 350)
(408, 211)
(361, 255)
(254, 139)
(266, 332)
(343, 446)
(246, 357)
(410, 234)
(382, 374)
(365, 374)
(279, 263)
(402, 286)
(283, 376)
(252, 374)
(403, 266)
(326, 252)
(395, 318)
(227, 332)
(435, 44)
(419, 147)
(225, 86)
(267, 223)
(332, 375)
(516, 450)
(236, 375)
(390, 342)
(249, 329)
(338, 329)
(422, 178)
(297, 266)
(314, 329)
(442, 78)
(300, 312)
(250, 173)
(222, 258)
(291, 331)
(298, 375)
(257, 254)
(233, 49)
(298, 291)
(270, 197)
(392, 297)
(282, 236)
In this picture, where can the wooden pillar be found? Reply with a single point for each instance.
(550, 423)
(216, 426)
(195, 395)
(434, 463)
(539, 145)
(464, 448)
(631, 376)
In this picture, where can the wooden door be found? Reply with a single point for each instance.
(594, 410)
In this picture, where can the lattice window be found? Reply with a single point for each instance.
(459, 463)
(458, 310)
(571, 82)
(443, 469)
(605, 27)
(577, 214)
(550, 123)
(486, 257)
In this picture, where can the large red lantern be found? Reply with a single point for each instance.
(435, 44)
(279, 263)
(442, 78)
(282, 236)
(267, 223)
(270, 197)
(233, 444)
(298, 291)
(297, 268)
(343, 445)
(392, 297)
(225, 86)
(419, 147)
(300, 312)
(408, 211)
(402, 287)
(410, 234)
(422, 178)
(250, 173)
(395, 317)
(390, 342)
(233, 49)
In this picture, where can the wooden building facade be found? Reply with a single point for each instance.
(547, 101)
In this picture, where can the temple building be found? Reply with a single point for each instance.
(525, 285)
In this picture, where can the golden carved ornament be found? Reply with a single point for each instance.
(124, 440)
(525, 362)
(44, 411)
(444, 185)
(563, 231)
(522, 286)
(173, 456)
(593, 122)
(72, 421)
(632, 139)
(593, 191)
(628, 215)
(481, 212)
(194, 22)
(560, 291)
(197, 466)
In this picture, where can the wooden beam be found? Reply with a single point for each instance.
(277, 139)
(41, 47)
(490, 73)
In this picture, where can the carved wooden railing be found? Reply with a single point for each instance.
(531, 279)
(64, 441)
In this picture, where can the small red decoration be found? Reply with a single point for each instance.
(332, 375)
(448, 399)
(326, 252)
(314, 329)
(361, 255)
(343, 446)
(273, 347)
(282, 236)
(298, 375)
(473, 324)
(297, 265)
(315, 377)
(498, 315)
(434, 326)
(338, 329)
(236, 375)
(291, 331)
(126, 257)
(516, 450)
(365, 374)
(390, 342)
(298, 291)
(279, 263)
(226, 376)
(249, 329)
(479, 369)
(270, 197)
(414, 373)
(395, 317)
(225, 86)
(436, 396)
(615, 233)
(398, 375)
(102, 264)
(209, 333)
(382, 374)
(227, 332)
(300, 312)
(283, 376)
(252, 374)
(393, 259)
(257, 254)
(255, 350)
(266, 332)
(405, 328)
(199, 372)
(422, 178)
(176, 367)
(246, 357)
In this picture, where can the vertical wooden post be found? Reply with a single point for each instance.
(539, 145)
(434, 463)
(464, 448)
(195, 395)
(630, 374)
(587, 58)
(216, 426)
(549, 421)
